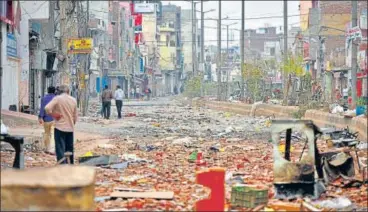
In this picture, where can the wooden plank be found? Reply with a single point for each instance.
(128, 189)
(149, 195)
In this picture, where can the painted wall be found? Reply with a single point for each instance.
(149, 31)
(304, 14)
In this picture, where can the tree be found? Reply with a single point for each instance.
(293, 66)
(253, 74)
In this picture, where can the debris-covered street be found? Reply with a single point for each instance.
(155, 147)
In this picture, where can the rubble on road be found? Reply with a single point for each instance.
(160, 158)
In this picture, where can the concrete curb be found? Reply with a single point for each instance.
(320, 118)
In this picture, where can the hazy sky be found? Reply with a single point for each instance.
(253, 9)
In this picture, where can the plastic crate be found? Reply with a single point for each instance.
(249, 196)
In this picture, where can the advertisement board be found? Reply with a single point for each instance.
(144, 8)
(11, 46)
(80, 45)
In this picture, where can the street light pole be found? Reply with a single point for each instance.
(354, 62)
(242, 51)
(219, 54)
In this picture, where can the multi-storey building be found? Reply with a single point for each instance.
(170, 47)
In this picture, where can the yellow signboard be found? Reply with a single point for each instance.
(80, 45)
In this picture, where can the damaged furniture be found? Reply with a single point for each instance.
(308, 176)
(295, 179)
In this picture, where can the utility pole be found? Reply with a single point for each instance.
(354, 62)
(86, 68)
(242, 51)
(1, 65)
(193, 39)
(285, 78)
(219, 54)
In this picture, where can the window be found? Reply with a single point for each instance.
(272, 51)
(167, 40)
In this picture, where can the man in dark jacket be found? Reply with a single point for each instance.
(46, 120)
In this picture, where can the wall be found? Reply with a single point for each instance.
(304, 14)
(10, 78)
(166, 59)
(186, 35)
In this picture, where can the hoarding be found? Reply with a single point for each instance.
(11, 46)
(354, 33)
(80, 45)
(144, 8)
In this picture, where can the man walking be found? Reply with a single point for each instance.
(63, 108)
(119, 95)
(46, 120)
(106, 102)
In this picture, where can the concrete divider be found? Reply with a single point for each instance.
(320, 118)
(323, 119)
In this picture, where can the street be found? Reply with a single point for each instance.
(158, 141)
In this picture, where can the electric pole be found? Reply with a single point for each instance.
(285, 50)
(193, 38)
(227, 58)
(202, 47)
(219, 54)
(242, 51)
(202, 33)
(354, 63)
(1, 65)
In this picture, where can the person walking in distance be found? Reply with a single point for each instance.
(106, 102)
(119, 95)
(46, 120)
(63, 108)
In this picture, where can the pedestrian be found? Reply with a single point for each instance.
(137, 92)
(47, 121)
(106, 102)
(175, 90)
(119, 95)
(63, 109)
(149, 93)
(345, 92)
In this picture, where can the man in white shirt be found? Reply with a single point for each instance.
(345, 92)
(119, 95)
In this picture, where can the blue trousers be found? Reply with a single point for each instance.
(64, 142)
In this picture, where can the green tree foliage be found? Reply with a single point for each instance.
(253, 74)
(294, 66)
(192, 87)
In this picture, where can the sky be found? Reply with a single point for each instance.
(253, 9)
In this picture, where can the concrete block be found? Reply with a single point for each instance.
(48, 189)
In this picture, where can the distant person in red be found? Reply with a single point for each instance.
(338, 94)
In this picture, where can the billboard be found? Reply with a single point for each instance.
(80, 45)
(144, 8)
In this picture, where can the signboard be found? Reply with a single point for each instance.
(354, 33)
(80, 46)
(144, 8)
(141, 65)
(11, 46)
(138, 29)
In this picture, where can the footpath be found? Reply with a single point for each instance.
(320, 118)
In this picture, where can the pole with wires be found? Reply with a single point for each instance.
(219, 54)
(354, 62)
(242, 52)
